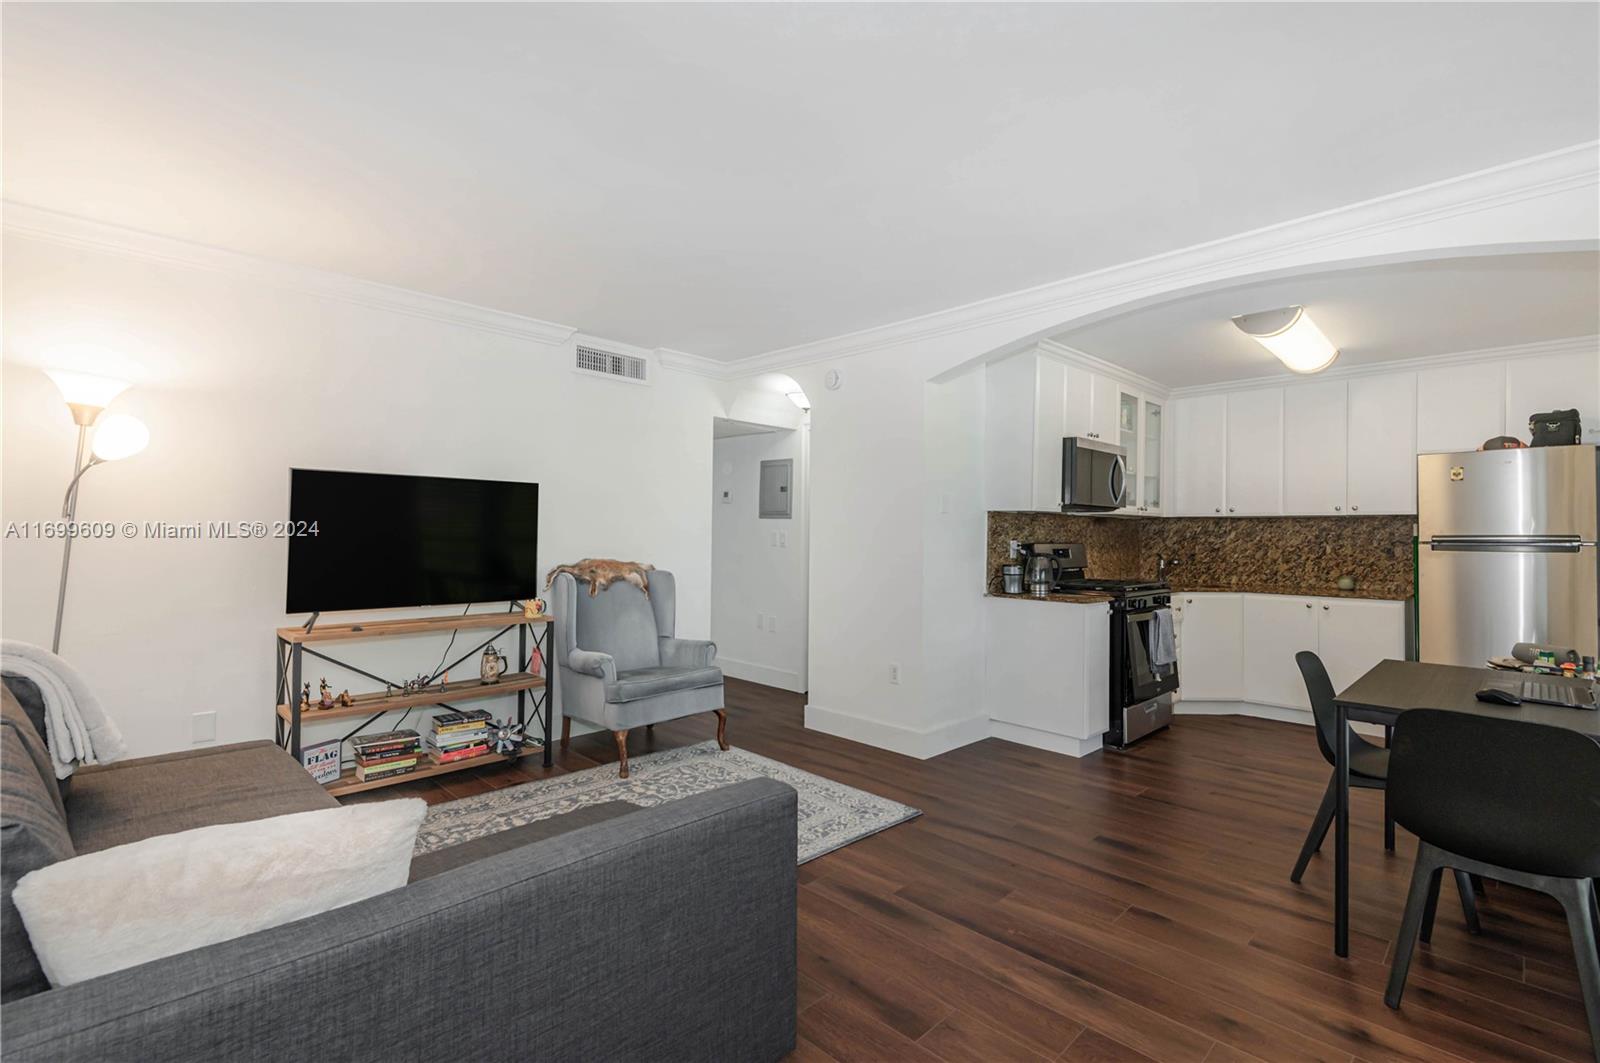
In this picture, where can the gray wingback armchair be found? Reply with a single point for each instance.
(620, 664)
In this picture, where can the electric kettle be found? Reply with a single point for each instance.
(1042, 572)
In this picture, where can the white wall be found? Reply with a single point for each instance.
(758, 586)
(246, 379)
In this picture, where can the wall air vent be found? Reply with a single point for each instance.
(611, 364)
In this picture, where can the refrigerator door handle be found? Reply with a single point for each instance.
(1530, 544)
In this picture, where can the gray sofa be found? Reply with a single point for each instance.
(620, 664)
(612, 933)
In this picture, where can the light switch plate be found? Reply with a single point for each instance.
(203, 728)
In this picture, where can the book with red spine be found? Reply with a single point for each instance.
(466, 753)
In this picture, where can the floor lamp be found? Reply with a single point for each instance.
(117, 436)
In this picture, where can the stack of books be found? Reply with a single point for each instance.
(383, 755)
(459, 736)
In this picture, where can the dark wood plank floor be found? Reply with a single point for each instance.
(1121, 907)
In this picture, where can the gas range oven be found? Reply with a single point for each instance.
(1141, 691)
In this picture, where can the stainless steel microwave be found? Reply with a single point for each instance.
(1094, 475)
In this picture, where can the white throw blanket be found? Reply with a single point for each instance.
(77, 729)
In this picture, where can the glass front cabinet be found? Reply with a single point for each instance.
(1139, 428)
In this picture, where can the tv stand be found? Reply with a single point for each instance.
(532, 689)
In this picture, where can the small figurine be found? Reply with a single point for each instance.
(491, 667)
(305, 695)
(506, 738)
(536, 662)
(345, 699)
(326, 701)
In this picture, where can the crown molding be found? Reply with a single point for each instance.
(695, 364)
(1085, 360)
(66, 230)
(1571, 345)
(1257, 250)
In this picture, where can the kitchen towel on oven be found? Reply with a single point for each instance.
(1163, 646)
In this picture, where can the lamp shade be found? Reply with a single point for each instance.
(86, 389)
(1291, 336)
(120, 436)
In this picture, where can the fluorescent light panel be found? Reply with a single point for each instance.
(1291, 336)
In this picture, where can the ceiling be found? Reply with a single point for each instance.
(727, 428)
(731, 179)
(1373, 315)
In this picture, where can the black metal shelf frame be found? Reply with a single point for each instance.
(290, 667)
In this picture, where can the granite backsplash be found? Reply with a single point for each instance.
(1261, 555)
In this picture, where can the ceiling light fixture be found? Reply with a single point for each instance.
(1292, 336)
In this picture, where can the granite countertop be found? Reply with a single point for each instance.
(1385, 594)
(1083, 598)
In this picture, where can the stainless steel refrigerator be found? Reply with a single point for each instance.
(1506, 552)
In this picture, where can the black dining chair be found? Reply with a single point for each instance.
(1508, 800)
(1369, 770)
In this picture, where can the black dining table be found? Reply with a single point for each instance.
(1386, 692)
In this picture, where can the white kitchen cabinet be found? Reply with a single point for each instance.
(1353, 635)
(1554, 382)
(1458, 407)
(1210, 635)
(1152, 423)
(1050, 378)
(1200, 434)
(1382, 450)
(1241, 647)
(1314, 448)
(1254, 474)
(1046, 683)
(1091, 405)
(1276, 627)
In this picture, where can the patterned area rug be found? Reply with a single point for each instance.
(832, 814)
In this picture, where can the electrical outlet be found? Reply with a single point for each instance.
(783, 539)
(894, 674)
(772, 624)
(203, 728)
(727, 497)
(760, 621)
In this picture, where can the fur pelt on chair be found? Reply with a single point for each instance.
(600, 573)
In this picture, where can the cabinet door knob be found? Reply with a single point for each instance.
(1230, 509)
(1308, 605)
(1336, 509)
(1325, 609)
(1218, 509)
(1188, 601)
(1354, 508)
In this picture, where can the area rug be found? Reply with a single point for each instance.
(832, 814)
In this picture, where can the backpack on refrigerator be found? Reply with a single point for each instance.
(1558, 428)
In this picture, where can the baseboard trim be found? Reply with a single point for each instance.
(920, 743)
(1053, 743)
(766, 675)
(1261, 712)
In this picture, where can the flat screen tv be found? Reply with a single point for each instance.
(382, 541)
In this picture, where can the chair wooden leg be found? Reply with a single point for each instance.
(1469, 902)
(1424, 885)
(566, 732)
(1577, 897)
(722, 729)
(622, 752)
(1319, 830)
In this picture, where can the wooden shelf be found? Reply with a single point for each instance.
(461, 690)
(348, 784)
(376, 629)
